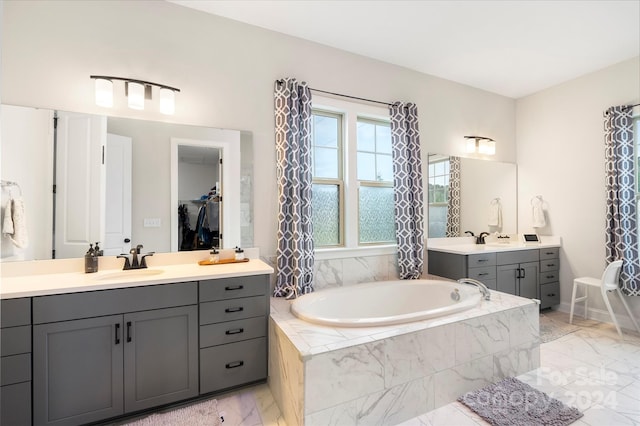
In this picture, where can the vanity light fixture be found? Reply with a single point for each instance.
(480, 145)
(136, 91)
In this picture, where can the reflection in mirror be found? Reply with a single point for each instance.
(91, 200)
(470, 195)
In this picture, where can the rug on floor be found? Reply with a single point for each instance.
(199, 414)
(552, 330)
(511, 402)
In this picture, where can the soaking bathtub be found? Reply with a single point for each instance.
(385, 303)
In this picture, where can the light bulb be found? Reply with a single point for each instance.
(167, 101)
(104, 92)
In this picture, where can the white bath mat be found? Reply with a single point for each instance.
(511, 402)
(200, 414)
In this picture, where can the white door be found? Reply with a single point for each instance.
(80, 183)
(117, 239)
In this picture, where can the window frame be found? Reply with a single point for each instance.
(351, 112)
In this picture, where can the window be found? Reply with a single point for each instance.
(438, 196)
(352, 175)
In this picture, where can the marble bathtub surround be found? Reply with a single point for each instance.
(387, 375)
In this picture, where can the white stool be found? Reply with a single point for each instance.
(609, 282)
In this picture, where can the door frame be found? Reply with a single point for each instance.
(228, 142)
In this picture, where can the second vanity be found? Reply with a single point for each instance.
(92, 347)
(527, 270)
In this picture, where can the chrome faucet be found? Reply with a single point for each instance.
(134, 263)
(483, 288)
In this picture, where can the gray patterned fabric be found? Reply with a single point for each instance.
(453, 203)
(293, 156)
(622, 215)
(408, 196)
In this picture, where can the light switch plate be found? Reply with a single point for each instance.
(152, 222)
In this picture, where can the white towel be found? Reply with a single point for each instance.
(14, 224)
(495, 213)
(537, 213)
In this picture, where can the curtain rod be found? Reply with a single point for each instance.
(344, 96)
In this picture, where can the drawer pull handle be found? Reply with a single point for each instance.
(237, 309)
(235, 364)
(551, 264)
(549, 253)
(483, 274)
(236, 331)
(551, 276)
(551, 294)
(230, 288)
(483, 260)
(118, 334)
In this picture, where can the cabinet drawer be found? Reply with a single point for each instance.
(475, 260)
(15, 369)
(232, 309)
(517, 256)
(549, 295)
(15, 340)
(233, 288)
(549, 265)
(232, 331)
(15, 404)
(64, 307)
(549, 253)
(15, 312)
(486, 273)
(234, 364)
(549, 277)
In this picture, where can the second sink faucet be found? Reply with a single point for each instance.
(480, 238)
(135, 263)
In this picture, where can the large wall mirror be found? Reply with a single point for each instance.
(69, 202)
(468, 194)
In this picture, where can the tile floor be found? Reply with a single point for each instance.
(592, 369)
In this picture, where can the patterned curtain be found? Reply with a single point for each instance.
(293, 152)
(407, 184)
(453, 197)
(622, 215)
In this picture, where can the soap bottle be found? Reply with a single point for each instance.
(239, 253)
(90, 260)
(97, 250)
(214, 255)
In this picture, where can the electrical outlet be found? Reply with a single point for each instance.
(152, 222)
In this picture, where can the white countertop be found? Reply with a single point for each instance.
(30, 285)
(465, 245)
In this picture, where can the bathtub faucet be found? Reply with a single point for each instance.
(483, 288)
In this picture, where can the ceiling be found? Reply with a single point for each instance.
(510, 47)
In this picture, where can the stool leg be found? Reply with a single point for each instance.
(626, 306)
(573, 301)
(613, 317)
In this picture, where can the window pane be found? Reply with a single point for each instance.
(325, 131)
(437, 221)
(325, 161)
(366, 166)
(385, 168)
(326, 215)
(366, 136)
(383, 139)
(376, 219)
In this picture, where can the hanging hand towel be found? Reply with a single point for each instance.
(14, 225)
(537, 213)
(495, 212)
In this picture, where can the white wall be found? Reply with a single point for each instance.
(226, 71)
(561, 157)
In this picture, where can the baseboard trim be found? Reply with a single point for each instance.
(598, 315)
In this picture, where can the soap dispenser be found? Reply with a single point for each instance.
(239, 254)
(214, 255)
(90, 260)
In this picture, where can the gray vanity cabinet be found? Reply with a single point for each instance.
(15, 346)
(517, 272)
(89, 368)
(234, 315)
(549, 277)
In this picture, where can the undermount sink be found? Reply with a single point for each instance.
(131, 273)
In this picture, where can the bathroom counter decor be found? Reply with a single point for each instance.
(221, 262)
